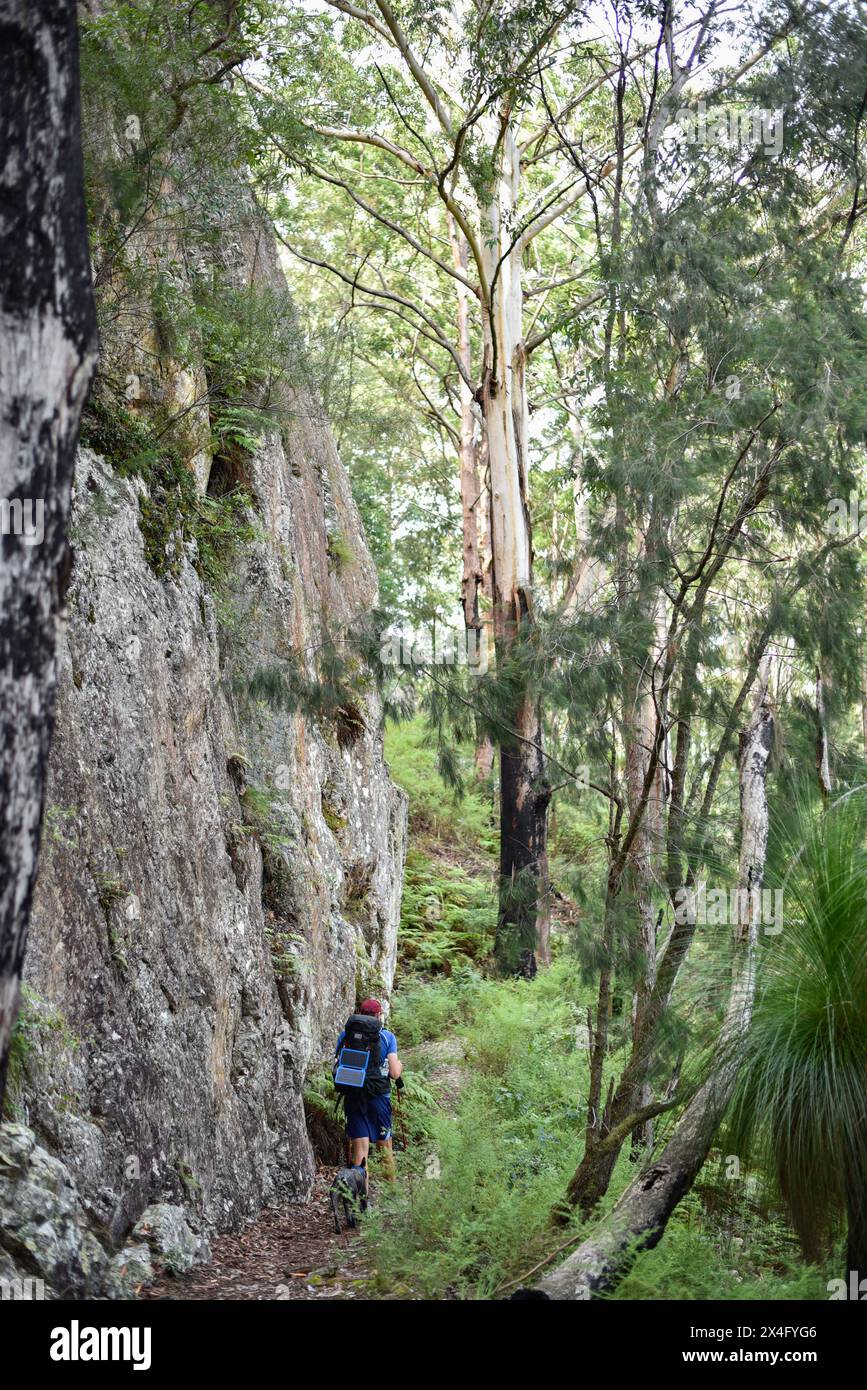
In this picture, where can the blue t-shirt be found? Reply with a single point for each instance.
(387, 1045)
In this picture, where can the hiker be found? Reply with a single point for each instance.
(368, 1106)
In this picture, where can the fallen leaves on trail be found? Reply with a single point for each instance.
(289, 1252)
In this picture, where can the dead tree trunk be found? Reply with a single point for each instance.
(47, 357)
(637, 1222)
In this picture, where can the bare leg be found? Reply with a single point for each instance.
(360, 1150)
(386, 1151)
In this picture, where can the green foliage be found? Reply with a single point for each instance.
(506, 1148)
(434, 808)
(506, 1144)
(173, 512)
(36, 1023)
(340, 552)
(799, 1103)
(261, 818)
(319, 1088)
(742, 1254)
(251, 346)
(424, 1011)
(328, 685)
(191, 1183)
(221, 527)
(124, 439)
(448, 915)
(168, 211)
(285, 958)
(332, 817)
(257, 806)
(505, 1154)
(57, 824)
(111, 891)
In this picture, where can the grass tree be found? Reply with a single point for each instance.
(800, 1104)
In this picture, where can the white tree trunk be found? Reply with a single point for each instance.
(823, 753)
(471, 576)
(47, 356)
(505, 394)
(484, 758)
(522, 931)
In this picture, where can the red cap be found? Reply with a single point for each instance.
(371, 1006)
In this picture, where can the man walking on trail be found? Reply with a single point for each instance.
(368, 1117)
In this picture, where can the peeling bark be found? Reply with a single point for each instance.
(471, 576)
(475, 574)
(47, 357)
(638, 1220)
(524, 791)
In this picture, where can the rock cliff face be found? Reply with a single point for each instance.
(220, 869)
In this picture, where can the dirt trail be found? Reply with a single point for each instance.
(287, 1253)
(447, 1074)
(293, 1252)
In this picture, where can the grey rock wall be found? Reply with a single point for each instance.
(219, 872)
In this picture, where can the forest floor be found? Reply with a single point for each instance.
(496, 1071)
(293, 1252)
(289, 1252)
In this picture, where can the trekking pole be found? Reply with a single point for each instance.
(401, 1127)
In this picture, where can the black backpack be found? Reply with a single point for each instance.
(357, 1069)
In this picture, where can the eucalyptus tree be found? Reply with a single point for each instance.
(471, 103)
(395, 409)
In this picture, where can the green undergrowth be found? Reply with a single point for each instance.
(478, 1183)
(494, 1109)
(448, 916)
(713, 1255)
(449, 908)
(470, 1218)
(174, 511)
(466, 822)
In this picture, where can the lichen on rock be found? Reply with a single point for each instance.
(200, 905)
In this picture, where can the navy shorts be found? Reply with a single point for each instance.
(368, 1117)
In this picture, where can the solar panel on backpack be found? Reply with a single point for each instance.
(351, 1067)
